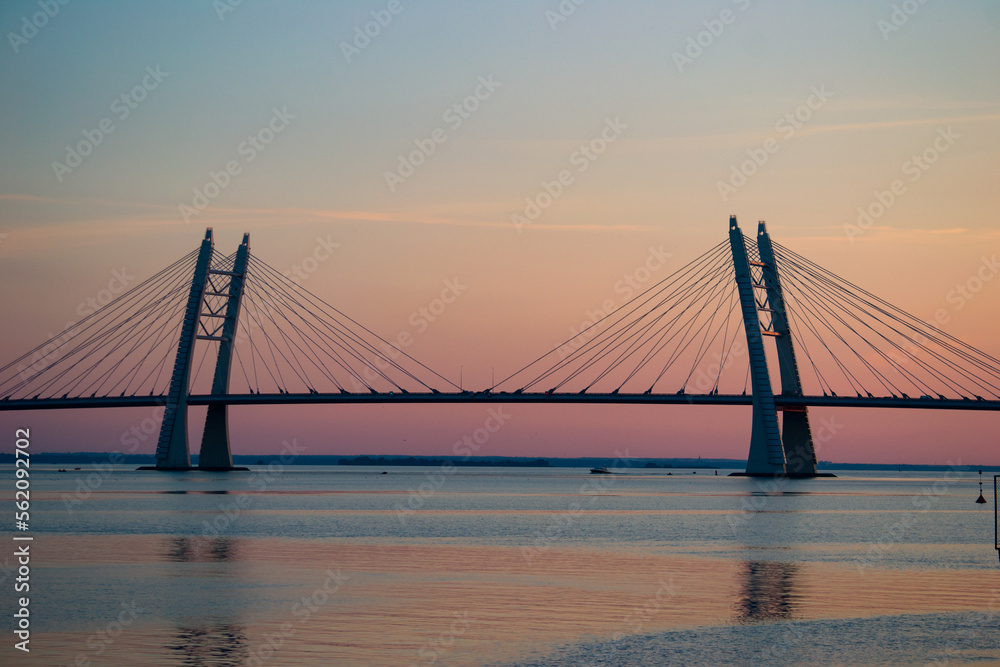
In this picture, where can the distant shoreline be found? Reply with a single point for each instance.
(427, 461)
(385, 460)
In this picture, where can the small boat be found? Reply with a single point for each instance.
(600, 471)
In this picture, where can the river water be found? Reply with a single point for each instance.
(311, 565)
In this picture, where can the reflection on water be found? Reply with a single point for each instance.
(220, 645)
(217, 588)
(768, 591)
(185, 492)
(200, 549)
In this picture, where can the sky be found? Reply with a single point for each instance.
(418, 151)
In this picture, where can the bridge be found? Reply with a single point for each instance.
(708, 334)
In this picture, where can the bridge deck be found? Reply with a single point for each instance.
(502, 397)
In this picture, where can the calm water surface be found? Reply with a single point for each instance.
(347, 566)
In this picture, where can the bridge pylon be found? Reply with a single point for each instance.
(773, 451)
(796, 434)
(767, 456)
(172, 451)
(215, 452)
(207, 302)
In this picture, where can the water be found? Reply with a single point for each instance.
(343, 565)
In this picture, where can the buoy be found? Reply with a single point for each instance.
(980, 500)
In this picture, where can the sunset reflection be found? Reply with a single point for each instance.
(198, 549)
(768, 591)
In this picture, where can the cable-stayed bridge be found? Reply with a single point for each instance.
(711, 333)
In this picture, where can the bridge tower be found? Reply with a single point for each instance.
(207, 302)
(172, 448)
(772, 452)
(796, 435)
(215, 453)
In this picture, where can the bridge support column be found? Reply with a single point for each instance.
(215, 452)
(767, 456)
(800, 455)
(172, 451)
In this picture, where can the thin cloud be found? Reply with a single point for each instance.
(879, 125)
(885, 233)
(758, 134)
(14, 197)
(104, 225)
